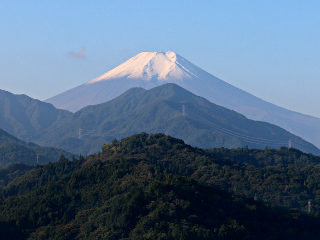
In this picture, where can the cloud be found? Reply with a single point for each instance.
(80, 54)
(126, 50)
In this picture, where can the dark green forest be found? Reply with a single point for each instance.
(153, 186)
(268, 156)
(12, 172)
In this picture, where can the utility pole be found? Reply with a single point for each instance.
(290, 144)
(37, 159)
(183, 110)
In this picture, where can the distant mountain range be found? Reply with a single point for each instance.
(169, 109)
(151, 69)
(13, 150)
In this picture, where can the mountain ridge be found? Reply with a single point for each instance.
(168, 108)
(199, 82)
(201, 123)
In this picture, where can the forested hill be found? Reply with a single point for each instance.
(13, 150)
(144, 187)
(282, 184)
(110, 196)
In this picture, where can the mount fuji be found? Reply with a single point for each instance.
(151, 69)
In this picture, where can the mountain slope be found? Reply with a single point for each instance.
(6, 138)
(285, 183)
(13, 171)
(160, 109)
(13, 150)
(123, 194)
(151, 69)
(23, 116)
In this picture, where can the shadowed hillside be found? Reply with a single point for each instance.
(132, 190)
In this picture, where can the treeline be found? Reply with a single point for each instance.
(268, 156)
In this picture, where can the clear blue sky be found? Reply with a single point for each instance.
(268, 48)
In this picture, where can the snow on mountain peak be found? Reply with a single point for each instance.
(147, 66)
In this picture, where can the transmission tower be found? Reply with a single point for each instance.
(290, 144)
(37, 159)
(183, 110)
(80, 132)
(309, 206)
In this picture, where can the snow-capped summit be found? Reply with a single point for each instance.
(148, 66)
(146, 69)
(151, 69)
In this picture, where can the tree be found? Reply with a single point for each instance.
(115, 143)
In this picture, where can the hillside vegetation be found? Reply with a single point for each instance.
(157, 187)
(13, 150)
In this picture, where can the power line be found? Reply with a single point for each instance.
(215, 127)
(259, 141)
(239, 135)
